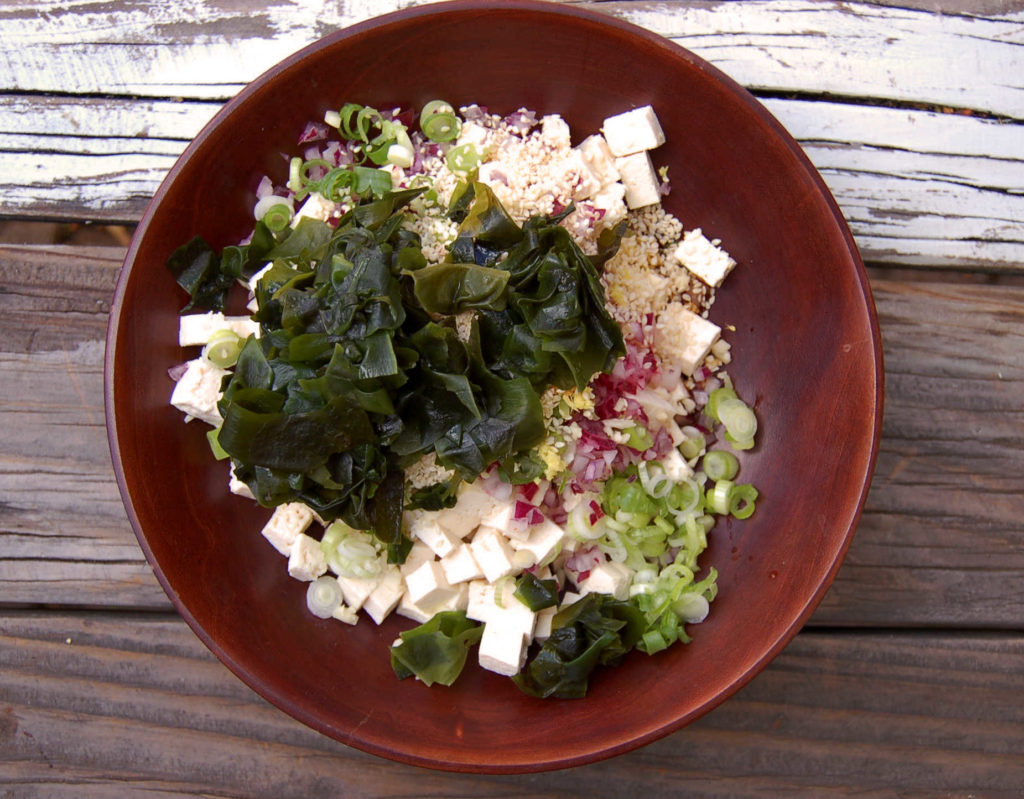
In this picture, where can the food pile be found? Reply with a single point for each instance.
(478, 386)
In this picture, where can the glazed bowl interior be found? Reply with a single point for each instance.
(797, 311)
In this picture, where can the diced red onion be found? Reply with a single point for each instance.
(314, 131)
(177, 371)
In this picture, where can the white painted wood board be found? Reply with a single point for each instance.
(206, 49)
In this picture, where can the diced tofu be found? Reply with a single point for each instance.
(612, 201)
(316, 207)
(385, 597)
(462, 519)
(588, 184)
(502, 518)
(427, 586)
(197, 391)
(608, 578)
(357, 589)
(482, 605)
(633, 131)
(419, 613)
(460, 566)
(640, 180)
(570, 598)
(306, 561)
(599, 159)
(543, 543)
(346, 614)
(440, 541)
(554, 132)
(704, 258)
(195, 330)
(410, 610)
(286, 524)
(418, 555)
(684, 337)
(492, 552)
(475, 134)
(236, 486)
(542, 625)
(502, 649)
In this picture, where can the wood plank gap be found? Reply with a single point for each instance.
(884, 102)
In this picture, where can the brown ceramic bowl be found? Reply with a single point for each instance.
(805, 345)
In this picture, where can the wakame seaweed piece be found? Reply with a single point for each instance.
(387, 508)
(435, 497)
(450, 288)
(294, 442)
(558, 296)
(196, 268)
(436, 650)
(535, 593)
(597, 630)
(242, 261)
(486, 232)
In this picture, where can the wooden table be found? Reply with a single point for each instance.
(909, 678)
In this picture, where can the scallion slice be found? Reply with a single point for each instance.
(463, 159)
(323, 597)
(720, 465)
(741, 501)
(223, 348)
(739, 420)
(719, 496)
(439, 122)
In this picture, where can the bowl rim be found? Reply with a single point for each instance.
(741, 94)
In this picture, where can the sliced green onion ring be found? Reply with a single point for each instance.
(739, 420)
(741, 501)
(719, 496)
(223, 348)
(720, 465)
(714, 400)
(439, 122)
(463, 159)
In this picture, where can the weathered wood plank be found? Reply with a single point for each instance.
(940, 542)
(100, 705)
(211, 50)
(917, 187)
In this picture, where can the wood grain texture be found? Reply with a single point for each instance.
(918, 187)
(955, 372)
(97, 705)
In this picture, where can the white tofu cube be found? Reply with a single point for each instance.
(633, 131)
(502, 518)
(355, 590)
(460, 566)
(472, 503)
(588, 184)
(492, 552)
(237, 487)
(419, 613)
(482, 605)
(684, 337)
(542, 625)
(306, 561)
(346, 614)
(316, 207)
(286, 524)
(554, 132)
(599, 159)
(570, 598)
(640, 180)
(418, 555)
(427, 586)
(543, 543)
(611, 200)
(385, 596)
(195, 330)
(197, 391)
(608, 578)
(502, 649)
(704, 258)
(440, 541)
